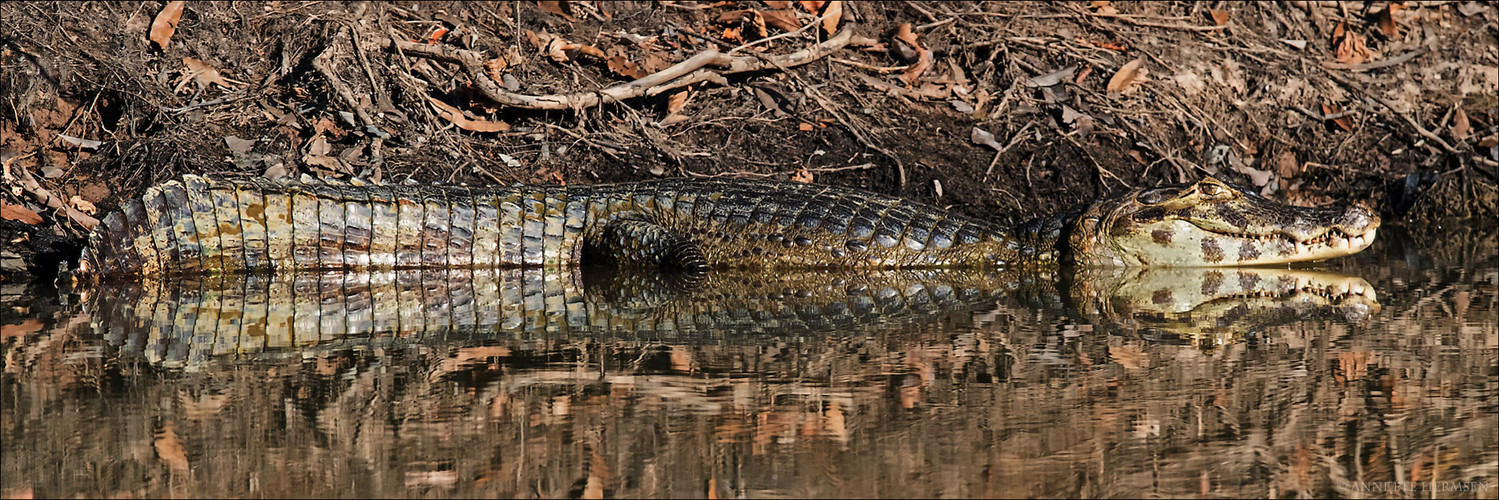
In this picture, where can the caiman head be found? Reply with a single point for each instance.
(1211, 223)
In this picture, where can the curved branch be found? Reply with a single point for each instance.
(679, 75)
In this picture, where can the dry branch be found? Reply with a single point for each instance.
(679, 75)
(30, 185)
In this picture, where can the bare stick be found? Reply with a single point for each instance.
(655, 83)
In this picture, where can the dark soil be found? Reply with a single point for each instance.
(1244, 102)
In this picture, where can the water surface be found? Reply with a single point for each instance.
(1373, 376)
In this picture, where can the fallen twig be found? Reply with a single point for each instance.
(1391, 106)
(1321, 117)
(878, 69)
(45, 197)
(321, 64)
(667, 79)
(1383, 63)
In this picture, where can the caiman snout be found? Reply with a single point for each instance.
(1212, 223)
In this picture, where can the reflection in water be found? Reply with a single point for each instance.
(1190, 382)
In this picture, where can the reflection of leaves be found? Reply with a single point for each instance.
(165, 24)
(169, 449)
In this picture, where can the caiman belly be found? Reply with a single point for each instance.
(199, 225)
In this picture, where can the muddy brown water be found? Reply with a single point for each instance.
(1377, 378)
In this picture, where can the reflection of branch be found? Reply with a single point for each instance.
(679, 75)
(30, 185)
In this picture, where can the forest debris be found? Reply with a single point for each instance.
(923, 59)
(470, 124)
(207, 75)
(1051, 78)
(981, 136)
(674, 105)
(1219, 17)
(783, 20)
(802, 175)
(23, 180)
(86, 144)
(831, 16)
(1128, 76)
(238, 145)
(557, 8)
(1460, 127)
(1335, 113)
(165, 24)
(679, 75)
(1387, 20)
(619, 62)
(1297, 44)
(1350, 46)
(19, 213)
(82, 205)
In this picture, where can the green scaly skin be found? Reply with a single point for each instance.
(198, 226)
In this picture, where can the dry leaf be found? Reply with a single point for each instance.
(436, 35)
(1460, 126)
(1387, 21)
(834, 14)
(1488, 142)
(677, 101)
(802, 176)
(206, 75)
(19, 213)
(472, 125)
(783, 20)
(1220, 18)
(1350, 46)
(82, 205)
(1128, 77)
(165, 24)
(619, 62)
(558, 9)
(1343, 122)
(811, 6)
(495, 68)
(778, 5)
(923, 55)
(804, 127)
(1103, 8)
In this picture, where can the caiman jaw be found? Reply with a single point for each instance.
(1211, 223)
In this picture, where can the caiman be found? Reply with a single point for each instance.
(198, 225)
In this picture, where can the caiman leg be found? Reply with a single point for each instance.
(641, 244)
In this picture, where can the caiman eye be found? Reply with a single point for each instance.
(1210, 190)
(1157, 196)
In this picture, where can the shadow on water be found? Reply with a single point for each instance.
(1370, 376)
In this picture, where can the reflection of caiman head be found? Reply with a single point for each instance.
(1213, 306)
(1211, 223)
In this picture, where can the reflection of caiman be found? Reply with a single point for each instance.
(200, 225)
(256, 315)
